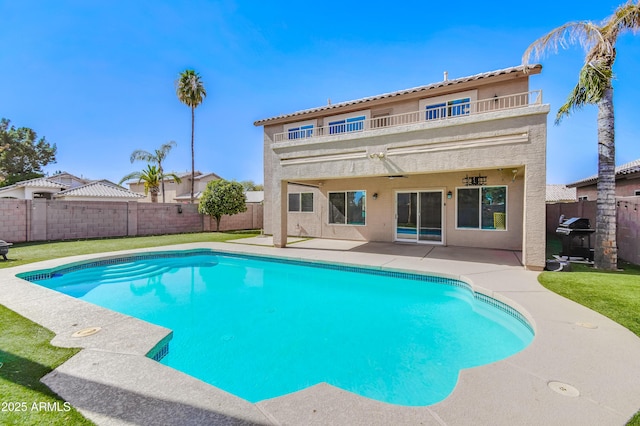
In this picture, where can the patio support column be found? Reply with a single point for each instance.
(279, 209)
(534, 217)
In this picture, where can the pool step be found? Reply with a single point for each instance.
(128, 271)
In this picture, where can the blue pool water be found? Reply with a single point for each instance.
(261, 328)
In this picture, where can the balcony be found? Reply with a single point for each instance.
(444, 111)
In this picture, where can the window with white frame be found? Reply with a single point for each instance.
(452, 105)
(450, 108)
(301, 202)
(347, 208)
(300, 132)
(483, 207)
(352, 124)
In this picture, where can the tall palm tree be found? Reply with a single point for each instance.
(191, 92)
(151, 177)
(157, 157)
(595, 87)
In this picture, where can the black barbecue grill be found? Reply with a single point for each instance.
(576, 238)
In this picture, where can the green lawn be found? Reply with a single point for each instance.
(25, 352)
(26, 356)
(22, 253)
(613, 294)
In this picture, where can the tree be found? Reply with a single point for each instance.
(191, 92)
(250, 185)
(22, 154)
(151, 178)
(222, 197)
(157, 157)
(595, 87)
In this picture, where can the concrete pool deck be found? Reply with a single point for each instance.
(581, 367)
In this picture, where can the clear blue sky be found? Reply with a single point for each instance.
(97, 77)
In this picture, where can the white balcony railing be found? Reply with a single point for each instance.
(444, 112)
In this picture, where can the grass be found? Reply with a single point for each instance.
(615, 295)
(25, 357)
(23, 253)
(25, 353)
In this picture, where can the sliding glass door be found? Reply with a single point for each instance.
(419, 216)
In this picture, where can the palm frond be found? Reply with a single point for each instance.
(594, 79)
(130, 176)
(190, 88)
(625, 17)
(584, 33)
(141, 155)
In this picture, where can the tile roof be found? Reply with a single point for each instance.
(36, 183)
(625, 169)
(100, 189)
(560, 194)
(533, 69)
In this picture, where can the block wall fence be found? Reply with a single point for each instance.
(48, 220)
(628, 222)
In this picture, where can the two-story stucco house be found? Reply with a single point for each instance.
(460, 162)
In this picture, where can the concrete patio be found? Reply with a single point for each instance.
(581, 367)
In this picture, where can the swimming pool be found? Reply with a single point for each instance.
(261, 327)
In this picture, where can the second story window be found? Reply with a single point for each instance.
(451, 108)
(300, 132)
(353, 124)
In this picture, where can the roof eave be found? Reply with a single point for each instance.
(442, 86)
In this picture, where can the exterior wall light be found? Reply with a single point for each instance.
(449, 195)
(179, 209)
(375, 196)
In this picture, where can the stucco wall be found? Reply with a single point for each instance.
(624, 188)
(42, 220)
(473, 145)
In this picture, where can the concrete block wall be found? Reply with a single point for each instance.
(49, 220)
(158, 218)
(14, 219)
(251, 219)
(84, 219)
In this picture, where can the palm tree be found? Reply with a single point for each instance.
(191, 92)
(151, 177)
(595, 87)
(157, 157)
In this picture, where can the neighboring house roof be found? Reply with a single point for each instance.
(560, 194)
(213, 176)
(625, 169)
(254, 196)
(99, 189)
(36, 183)
(64, 177)
(532, 69)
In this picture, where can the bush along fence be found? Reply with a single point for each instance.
(45, 220)
(628, 222)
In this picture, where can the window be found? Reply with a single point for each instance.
(448, 109)
(347, 207)
(583, 198)
(352, 124)
(482, 207)
(636, 192)
(300, 132)
(301, 202)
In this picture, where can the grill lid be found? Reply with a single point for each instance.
(576, 223)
